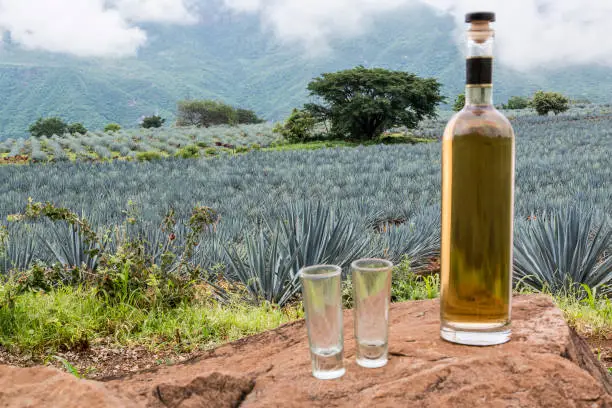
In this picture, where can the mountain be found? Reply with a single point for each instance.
(230, 57)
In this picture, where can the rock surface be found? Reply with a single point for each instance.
(545, 365)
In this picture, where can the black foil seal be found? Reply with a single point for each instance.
(479, 71)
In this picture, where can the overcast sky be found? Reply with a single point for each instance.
(530, 33)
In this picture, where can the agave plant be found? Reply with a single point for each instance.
(69, 248)
(267, 271)
(316, 235)
(18, 250)
(418, 239)
(561, 250)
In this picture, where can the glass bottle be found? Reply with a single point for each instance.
(477, 205)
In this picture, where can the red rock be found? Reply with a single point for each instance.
(545, 365)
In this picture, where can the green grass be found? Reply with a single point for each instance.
(70, 318)
(75, 318)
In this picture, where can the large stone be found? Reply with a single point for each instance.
(545, 365)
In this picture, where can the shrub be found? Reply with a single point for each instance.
(211, 151)
(298, 126)
(189, 152)
(205, 113)
(48, 127)
(150, 122)
(544, 102)
(517, 102)
(148, 156)
(112, 127)
(459, 102)
(77, 128)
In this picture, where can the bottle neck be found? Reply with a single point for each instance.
(479, 65)
(478, 95)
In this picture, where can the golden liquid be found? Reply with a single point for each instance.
(477, 217)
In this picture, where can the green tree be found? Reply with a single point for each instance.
(205, 113)
(247, 117)
(459, 102)
(77, 128)
(363, 102)
(48, 127)
(298, 126)
(152, 122)
(517, 102)
(544, 102)
(112, 127)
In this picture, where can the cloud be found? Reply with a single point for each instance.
(530, 33)
(88, 28)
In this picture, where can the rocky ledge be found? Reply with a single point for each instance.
(545, 365)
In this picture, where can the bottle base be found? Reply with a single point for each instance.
(476, 334)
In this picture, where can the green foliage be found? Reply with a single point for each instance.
(406, 285)
(544, 102)
(363, 103)
(206, 113)
(70, 318)
(517, 102)
(247, 117)
(76, 128)
(298, 126)
(48, 127)
(112, 127)
(148, 156)
(556, 252)
(150, 122)
(189, 152)
(459, 102)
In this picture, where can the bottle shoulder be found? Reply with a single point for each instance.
(487, 121)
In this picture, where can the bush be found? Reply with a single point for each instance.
(459, 102)
(188, 152)
(544, 102)
(247, 117)
(205, 113)
(148, 156)
(112, 127)
(77, 128)
(298, 127)
(211, 151)
(48, 127)
(152, 122)
(517, 102)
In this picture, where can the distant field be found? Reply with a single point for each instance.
(132, 144)
(562, 162)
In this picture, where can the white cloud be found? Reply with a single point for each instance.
(530, 33)
(87, 28)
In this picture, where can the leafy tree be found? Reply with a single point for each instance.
(112, 127)
(459, 102)
(517, 102)
(298, 127)
(544, 102)
(363, 102)
(48, 127)
(152, 122)
(247, 117)
(75, 128)
(205, 113)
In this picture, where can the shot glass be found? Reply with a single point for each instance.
(323, 309)
(372, 295)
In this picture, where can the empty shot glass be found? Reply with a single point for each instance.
(323, 309)
(372, 295)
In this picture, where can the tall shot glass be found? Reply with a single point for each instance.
(321, 287)
(372, 295)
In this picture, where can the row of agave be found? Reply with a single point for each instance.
(127, 142)
(552, 252)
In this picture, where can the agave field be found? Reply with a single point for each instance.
(280, 210)
(127, 144)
